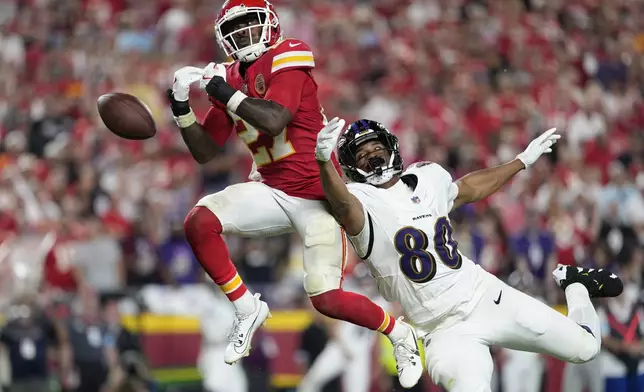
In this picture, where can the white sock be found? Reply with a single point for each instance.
(245, 304)
(581, 310)
(398, 332)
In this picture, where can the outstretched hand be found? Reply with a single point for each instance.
(541, 145)
(328, 139)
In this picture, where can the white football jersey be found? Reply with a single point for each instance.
(408, 244)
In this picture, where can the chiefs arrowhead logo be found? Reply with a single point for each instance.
(260, 84)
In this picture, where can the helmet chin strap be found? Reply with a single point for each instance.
(250, 53)
(380, 175)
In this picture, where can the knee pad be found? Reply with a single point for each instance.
(324, 255)
(589, 349)
(317, 283)
(200, 224)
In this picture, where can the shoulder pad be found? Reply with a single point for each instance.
(291, 54)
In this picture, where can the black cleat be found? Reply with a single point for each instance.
(598, 282)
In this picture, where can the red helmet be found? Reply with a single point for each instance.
(236, 23)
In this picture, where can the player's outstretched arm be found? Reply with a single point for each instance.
(345, 207)
(200, 144)
(482, 183)
(265, 115)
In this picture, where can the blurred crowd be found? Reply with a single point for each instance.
(465, 83)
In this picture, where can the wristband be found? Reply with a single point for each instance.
(235, 100)
(186, 120)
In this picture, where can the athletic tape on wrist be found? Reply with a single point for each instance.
(186, 120)
(235, 100)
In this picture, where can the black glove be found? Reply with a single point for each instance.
(220, 90)
(178, 108)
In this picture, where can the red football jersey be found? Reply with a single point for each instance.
(282, 74)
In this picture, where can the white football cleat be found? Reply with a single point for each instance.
(244, 330)
(408, 362)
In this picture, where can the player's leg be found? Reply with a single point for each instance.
(325, 256)
(458, 361)
(521, 322)
(246, 209)
(524, 323)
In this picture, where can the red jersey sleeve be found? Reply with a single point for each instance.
(286, 89)
(218, 124)
(291, 65)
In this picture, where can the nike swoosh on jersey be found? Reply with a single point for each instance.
(292, 45)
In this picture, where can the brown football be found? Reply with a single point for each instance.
(126, 116)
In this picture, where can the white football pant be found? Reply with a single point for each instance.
(458, 356)
(253, 209)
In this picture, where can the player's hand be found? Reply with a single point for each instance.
(212, 70)
(183, 78)
(541, 145)
(327, 139)
(178, 94)
(214, 83)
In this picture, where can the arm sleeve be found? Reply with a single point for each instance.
(218, 124)
(286, 88)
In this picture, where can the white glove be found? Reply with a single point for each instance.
(540, 145)
(183, 78)
(327, 139)
(212, 69)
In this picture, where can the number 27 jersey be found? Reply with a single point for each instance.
(409, 246)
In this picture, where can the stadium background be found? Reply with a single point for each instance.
(463, 83)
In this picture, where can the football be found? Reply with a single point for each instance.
(126, 116)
